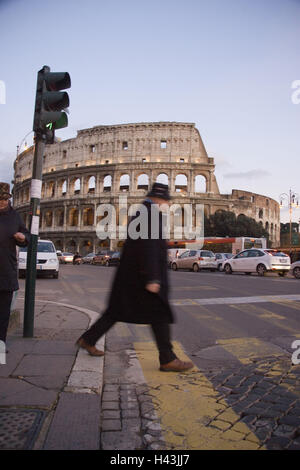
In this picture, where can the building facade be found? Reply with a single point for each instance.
(105, 162)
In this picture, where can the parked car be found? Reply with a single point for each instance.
(46, 259)
(195, 260)
(87, 259)
(258, 261)
(114, 259)
(102, 257)
(66, 258)
(295, 268)
(220, 258)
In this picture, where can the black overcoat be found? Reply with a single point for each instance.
(10, 223)
(142, 261)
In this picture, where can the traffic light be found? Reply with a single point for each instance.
(51, 103)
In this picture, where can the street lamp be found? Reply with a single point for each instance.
(292, 200)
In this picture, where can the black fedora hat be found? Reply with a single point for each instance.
(160, 190)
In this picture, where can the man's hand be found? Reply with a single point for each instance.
(153, 287)
(19, 237)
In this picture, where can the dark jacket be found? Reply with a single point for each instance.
(142, 261)
(10, 223)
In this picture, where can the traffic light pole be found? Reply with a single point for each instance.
(36, 185)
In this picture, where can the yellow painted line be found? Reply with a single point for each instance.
(262, 312)
(248, 309)
(288, 303)
(246, 349)
(184, 403)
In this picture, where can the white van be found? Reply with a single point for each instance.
(46, 259)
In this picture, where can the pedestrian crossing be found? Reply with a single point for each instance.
(190, 410)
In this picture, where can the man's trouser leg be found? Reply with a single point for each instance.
(5, 303)
(98, 329)
(161, 333)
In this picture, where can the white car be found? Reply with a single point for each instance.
(220, 258)
(258, 261)
(295, 268)
(46, 259)
(195, 260)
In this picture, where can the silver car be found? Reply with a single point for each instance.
(195, 260)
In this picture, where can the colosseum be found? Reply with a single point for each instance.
(104, 162)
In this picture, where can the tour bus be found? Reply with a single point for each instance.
(222, 244)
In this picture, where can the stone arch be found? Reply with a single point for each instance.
(124, 182)
(181, 183)
(71, 246)
(107, 183)
(48, 218)
(143, 181)
(85, 247)
(200, 184)
(162, 178)
(91, 184)
(50, 189)
(73, 217)
(59, 217)
(88, 216)
(261, 213)
(267, 226)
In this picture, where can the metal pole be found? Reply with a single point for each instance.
(36, 185)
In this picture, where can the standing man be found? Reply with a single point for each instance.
(12, 233)
(140, 288)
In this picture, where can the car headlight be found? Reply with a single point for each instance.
(52, 260)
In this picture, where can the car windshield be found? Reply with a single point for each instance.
(207, 254)
(43, 247)
(115, 255)
(275, 253)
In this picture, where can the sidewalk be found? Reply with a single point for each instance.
(54, 396)
(51, 392)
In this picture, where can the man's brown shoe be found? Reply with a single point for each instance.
(176, 366)
(92, 350)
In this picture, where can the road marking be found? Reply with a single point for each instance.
(185, 403)
(236, 300)
(273, 319)
(246, 349)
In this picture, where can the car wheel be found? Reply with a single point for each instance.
(261, 270)
(174, 267)
(228, 269)
(195, 268)
(296, 272)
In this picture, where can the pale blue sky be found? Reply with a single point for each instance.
(226, 65)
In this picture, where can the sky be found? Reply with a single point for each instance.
(226, 65)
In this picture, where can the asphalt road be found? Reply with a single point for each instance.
(217, 315)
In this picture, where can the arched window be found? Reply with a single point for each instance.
(77, 186)
(88, 216)
(181, 183)
(107, 183)
(59, 219)
(124, 183)
(143, 181)
(261, 213)
(92, 184)
(73, 217)
(48, 218)
(162, 178)
(200, 184)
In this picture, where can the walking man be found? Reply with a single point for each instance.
(140, 287)
(12, 233)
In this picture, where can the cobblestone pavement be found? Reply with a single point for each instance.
(265, 395)
(257, 405)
